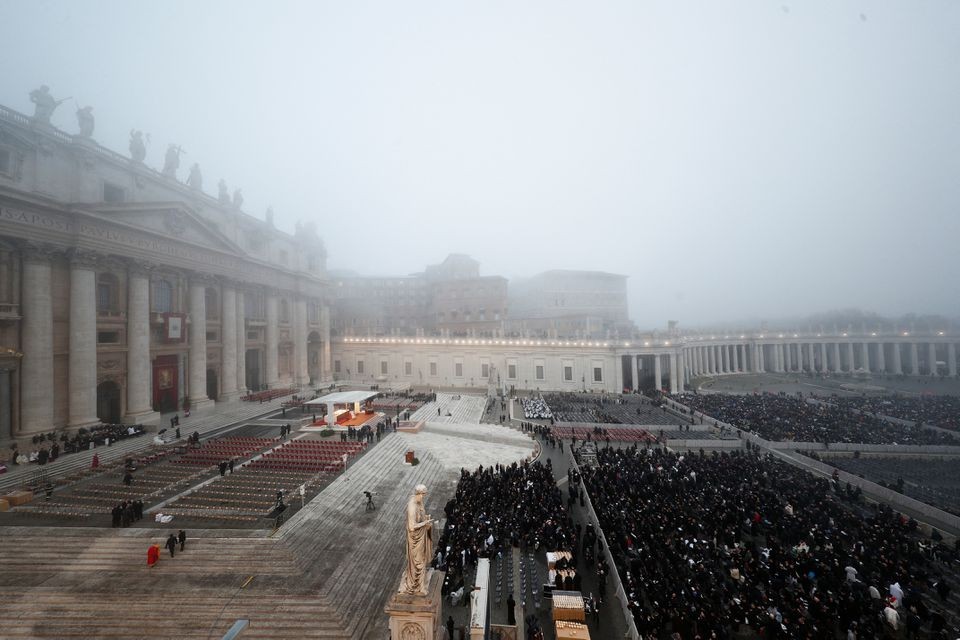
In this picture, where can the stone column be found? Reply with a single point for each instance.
(865, 356)
(698, 359)
(241, 324)
(657, 374)
(271, 356)
(823, 357)
(952, 360)
(634, 374)
(727, 359)
(881, 359)
(779, 357)
(914, 359)
(325, 356)
(139, 374)
(197, 391)
(850, 362)
(836, 358)
(673, 372)
(82, 357)
(737, 357)
(36, 336)
(711, 360)
(301, 369)
(787, 357)
(932, 358)
(6, 421)
(897, 366)
(228, 338)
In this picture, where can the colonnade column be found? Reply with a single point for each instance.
(618, 375)
(325, 356)
(6, 419)
(273, 342)
(301, 370)
(952, 360)
(823, 357)
(932, 358)
(914, 359)
(634, 374)
(657, 373)
(881, 358)
(241, 354)
(139, 388)
(897, 366)
(737, 358)
(228, 376)
(36, 335)
(850, 362)
(809, 349)
(865, 356)
(82, 357)
(673, 372)
(836, 368)
(700, 364)
(788, 357)
(198, 347)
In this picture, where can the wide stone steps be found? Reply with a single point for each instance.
(462, 409)
(41, 613)
(59, 554)
(361, 565)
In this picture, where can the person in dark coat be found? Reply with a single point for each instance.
(511, 610)
(172, 544)
(450, 627)
(182, 538)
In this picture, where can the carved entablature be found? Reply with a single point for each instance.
(18, 148)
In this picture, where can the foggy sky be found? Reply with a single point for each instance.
(737, 159)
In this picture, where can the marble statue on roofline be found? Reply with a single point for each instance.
(138, 150)
(171, 161)
(223, 194)
(195, 179)
(44, 104)
(86, 121)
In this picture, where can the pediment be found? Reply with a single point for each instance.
(173, 221)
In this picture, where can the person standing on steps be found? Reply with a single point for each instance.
(182, 539)
(172, 544)
(450, 627)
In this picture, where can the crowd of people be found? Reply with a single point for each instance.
(50, 446)
(940, 411)
(714, 545)
(126, 513)
(497, 508)
(784, 417)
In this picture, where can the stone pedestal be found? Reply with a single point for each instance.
(417, 617)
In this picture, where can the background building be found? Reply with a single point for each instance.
(566, 303)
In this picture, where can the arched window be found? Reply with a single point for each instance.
(212, 304)
(108, 292)
(163, 296)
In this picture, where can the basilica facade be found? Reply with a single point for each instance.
(125, 292)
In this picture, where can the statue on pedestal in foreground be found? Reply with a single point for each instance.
(138, 150)
(44, 104)
(419, 545)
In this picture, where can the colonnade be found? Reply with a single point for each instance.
(652, 362)
(37, 379)
(896, 357)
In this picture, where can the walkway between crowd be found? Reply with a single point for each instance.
(452, 407)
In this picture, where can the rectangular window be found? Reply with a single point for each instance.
(213, 336)
(512, 371)
(433, 369)
(484, 370)
(539, 372)
(113, 193)
(6, 162)
(108, 337)
(383, 367)
(598, 374)
(567, 373)
(408, 368)
(458, 370)
(360, 367)
(336, 366)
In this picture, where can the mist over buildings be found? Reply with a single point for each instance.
(738, 162)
